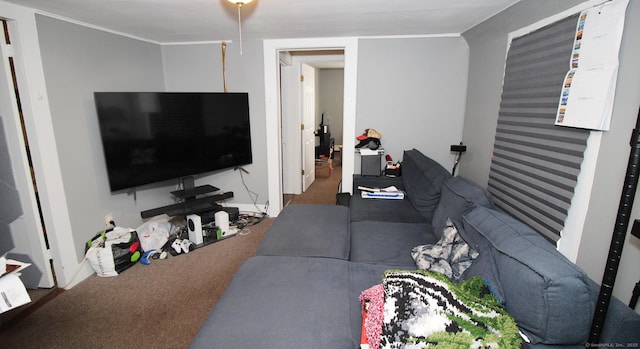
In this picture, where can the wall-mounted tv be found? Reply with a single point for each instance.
(149, 137)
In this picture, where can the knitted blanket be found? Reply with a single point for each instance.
(423, 309)
(372, 302)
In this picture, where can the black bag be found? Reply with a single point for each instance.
(343, 199)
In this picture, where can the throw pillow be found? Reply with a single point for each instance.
(450, 256)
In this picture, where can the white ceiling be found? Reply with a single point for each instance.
(172, 21)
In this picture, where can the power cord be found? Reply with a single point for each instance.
(91, 249)
(248, 219)
(253, 195)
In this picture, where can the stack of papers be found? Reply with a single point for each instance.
(12, 291)
(391, 193)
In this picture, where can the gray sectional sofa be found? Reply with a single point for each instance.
(301, 288)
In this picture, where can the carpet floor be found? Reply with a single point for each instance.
(161, 305)
(322, 191)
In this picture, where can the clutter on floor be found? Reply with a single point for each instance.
(116, 249)
(324, 167)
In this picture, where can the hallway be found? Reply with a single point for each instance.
(322, 191)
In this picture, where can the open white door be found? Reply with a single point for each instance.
(308, 125)
(27, 231)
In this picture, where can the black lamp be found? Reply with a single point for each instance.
(460, 148)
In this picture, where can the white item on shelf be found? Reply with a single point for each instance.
(222, 221)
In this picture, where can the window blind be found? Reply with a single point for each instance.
(535, 164)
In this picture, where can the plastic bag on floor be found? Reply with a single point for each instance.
(113, 251)
(154, 233)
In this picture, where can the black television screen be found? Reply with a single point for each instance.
(149, 137)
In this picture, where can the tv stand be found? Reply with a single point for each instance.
(191, 204)
(194, 191)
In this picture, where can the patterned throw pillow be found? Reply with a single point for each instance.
(450, 256)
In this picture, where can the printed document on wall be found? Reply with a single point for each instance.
(589, 87)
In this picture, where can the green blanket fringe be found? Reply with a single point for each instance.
(474, 293)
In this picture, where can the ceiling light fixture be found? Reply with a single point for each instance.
(239, 4)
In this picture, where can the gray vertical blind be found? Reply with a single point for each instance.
(535, 164)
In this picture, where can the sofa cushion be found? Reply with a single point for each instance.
(549, 296)
(388, 243)
(283, 302)
(485, 267)
(309, 231)
(423, 178)
(458, 197)
(383, 210)
(380, 209)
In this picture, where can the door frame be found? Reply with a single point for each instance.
(308, 118)
(292, 146)
(27, 231)
(34, 99)
(272, 48)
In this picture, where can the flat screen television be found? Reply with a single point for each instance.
(149, 137)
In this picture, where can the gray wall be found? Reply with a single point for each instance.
(610, 171)
(408, 89)
(198, 67)
(331, 101)
(78, 61)
(412, 91)
(488, 47)
(10, 208)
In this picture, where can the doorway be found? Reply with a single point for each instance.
(274, 105)
(312, 99)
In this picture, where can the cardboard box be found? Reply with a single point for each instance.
(324, 168)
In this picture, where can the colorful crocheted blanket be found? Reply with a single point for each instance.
(423, 309)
